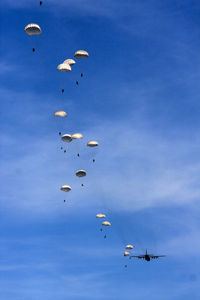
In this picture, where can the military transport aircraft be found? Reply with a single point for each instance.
(147, 256)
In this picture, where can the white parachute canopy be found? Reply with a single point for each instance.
(81, 54)
(77, 136)
(66, 138)
(92, 144)
(64, 68)
(80, 173)
(100, 216)
(126, 253)
(65, 188)
(106, 223)
(60, 113)
(69, 61)
(129, 247)
(33, 29)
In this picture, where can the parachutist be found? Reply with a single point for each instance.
(125, 266)
(63, 90)
(93, 160)
(81, 74)
(78, 155)
(59, 132)
(64, 151)
(33, 49)
(61, 148)
(82, 184)
(105, 236)
(76, 82)
(101, 229)
(40, 3)
(64, 200)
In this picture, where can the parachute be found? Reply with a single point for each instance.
(129, 247)
(65, 188)
(92, 144)
(80, 173)
(69, 61)
(106, 223)
(77, 136)
(33, 29)
(126, 253)
(60, 113)
(100, 216)
(64, 68)
(81, 54)
(66, 138)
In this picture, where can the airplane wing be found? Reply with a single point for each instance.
(138, 256)
(156, 256)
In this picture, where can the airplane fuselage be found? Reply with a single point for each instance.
(147, 257)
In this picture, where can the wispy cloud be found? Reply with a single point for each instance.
(143, 169)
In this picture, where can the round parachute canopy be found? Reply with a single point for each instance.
(92, 144)
(33, 29)
(126, 253)
(76, 136)
(64, 68)
(60, 113)
(69, 61)
(81, 54)
(129, 247)
(66, 138)
(100, 216)
(106, 223)
(65, 188)
(80, 173)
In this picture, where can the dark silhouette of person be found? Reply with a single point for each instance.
(81, 74)
(76, 82)
(63, 90)
(33, 49)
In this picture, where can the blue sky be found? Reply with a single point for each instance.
(139, 98)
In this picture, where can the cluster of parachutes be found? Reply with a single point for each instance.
(68, 138)
(66, 66)
(104, 223)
